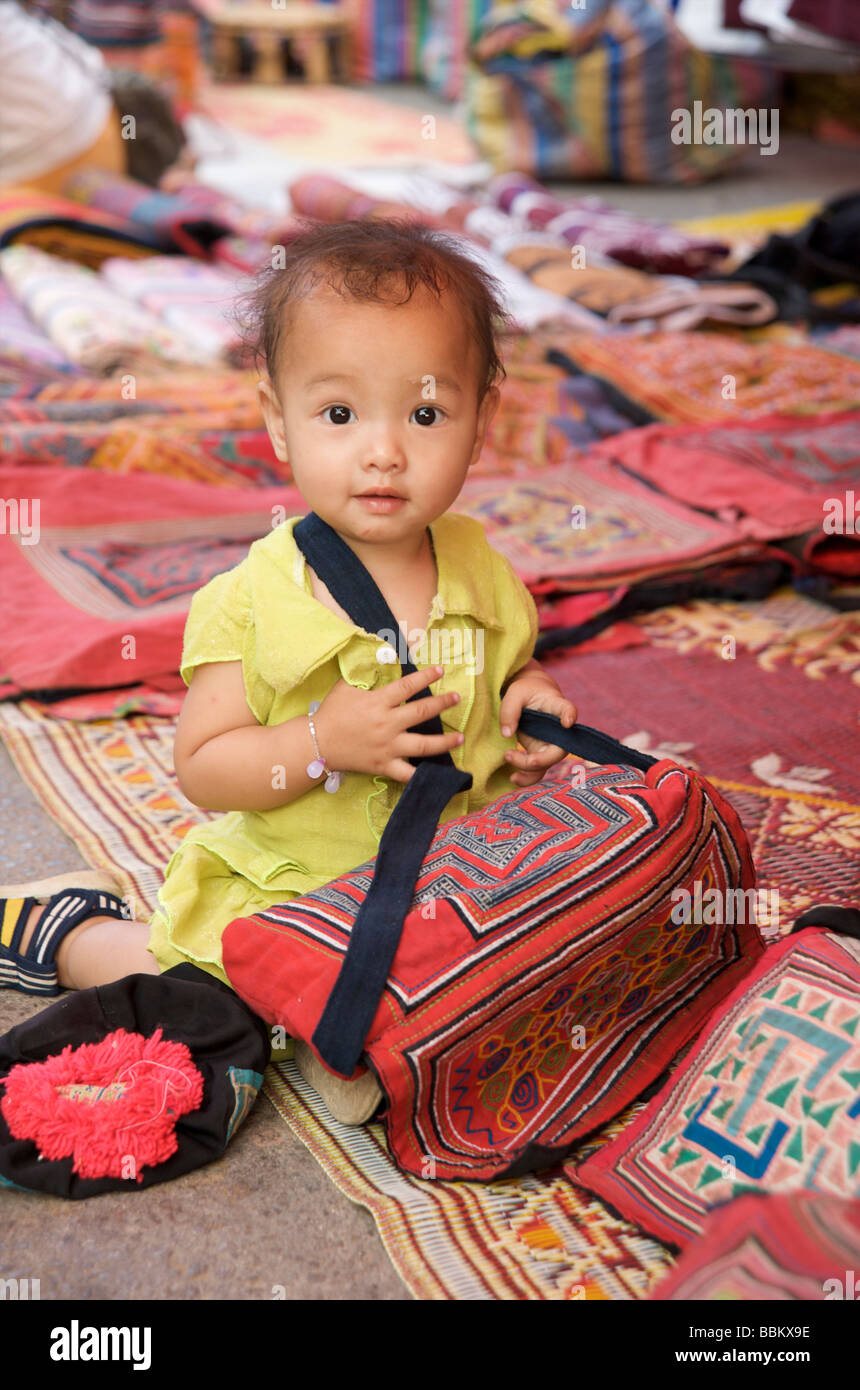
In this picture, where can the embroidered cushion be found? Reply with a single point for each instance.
(768, 1100)
(767, 1248)
(545, 975)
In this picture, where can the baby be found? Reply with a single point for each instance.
(379, 388)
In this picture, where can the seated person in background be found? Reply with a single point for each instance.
(63, 110)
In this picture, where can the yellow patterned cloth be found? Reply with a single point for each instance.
(482, 628)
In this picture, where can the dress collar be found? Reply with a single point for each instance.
(465, 586)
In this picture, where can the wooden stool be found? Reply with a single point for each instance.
(310, 23)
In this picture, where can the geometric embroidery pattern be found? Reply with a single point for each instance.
(541, 980)
(768, 1101)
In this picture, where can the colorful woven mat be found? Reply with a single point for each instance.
(789, 765)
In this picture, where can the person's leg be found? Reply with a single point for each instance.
(73, 938)
(99, 951)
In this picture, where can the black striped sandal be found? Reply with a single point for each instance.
(69, 899)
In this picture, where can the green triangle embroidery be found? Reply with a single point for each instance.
(710, 1173)
(851, 1026)
(795, 1148)
(821, 1011)
(715, 1071)
(806, 1104)
(823, 1117)
(664, 1148)
(792, 1003)
(738, 1066)
(754, 1135)
(742, 1027)
(686, 1156)
(761, 1037)
(738, 1188)
(781, 1094)
(852, 1077)
(853, 1157)
(690, 1108)
(769, 993)
(720, 1111)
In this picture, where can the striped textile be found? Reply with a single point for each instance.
(116, 23)
(58, 225)
(453, 26)
(604, 112)
(387, 39)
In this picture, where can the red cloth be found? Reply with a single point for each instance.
(110, 566)
(770, 478)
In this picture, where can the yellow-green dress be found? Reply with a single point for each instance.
(482, 628)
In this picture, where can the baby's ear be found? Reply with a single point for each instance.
(273, 416)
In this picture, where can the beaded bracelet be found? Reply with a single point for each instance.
(317, 767)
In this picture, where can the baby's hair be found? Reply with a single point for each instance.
(369, 260)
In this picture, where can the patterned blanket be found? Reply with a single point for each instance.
(703, 377)
(97, 582)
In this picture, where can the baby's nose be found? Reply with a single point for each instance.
(384, 447)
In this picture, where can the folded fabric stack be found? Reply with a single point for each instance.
(194, 299)
(622, 295)
(87, 321)
(610, 231)
(23, 342)
(326, 199)
(65, 227)
(191, 219)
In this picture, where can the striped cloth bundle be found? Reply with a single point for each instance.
(601, 107)
(90, 323)
(453, 26)
(387, 39)
(23, 341)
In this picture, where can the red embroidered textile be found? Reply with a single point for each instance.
(540, 983)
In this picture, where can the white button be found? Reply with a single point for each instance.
(386, 654)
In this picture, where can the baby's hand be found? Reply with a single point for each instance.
(538, 691)
(366, 730)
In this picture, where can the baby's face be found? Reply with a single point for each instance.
(372, 397)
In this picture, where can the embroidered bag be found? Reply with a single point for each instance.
(519, 975)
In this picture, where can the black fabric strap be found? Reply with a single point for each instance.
(346, 1020)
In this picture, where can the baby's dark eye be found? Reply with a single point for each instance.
(338, 414)
(427, 415)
